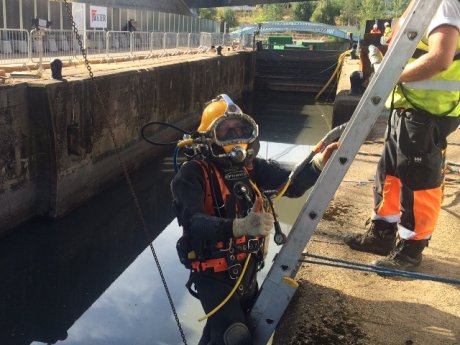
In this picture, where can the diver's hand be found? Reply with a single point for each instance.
(320, 159)
(255, 223)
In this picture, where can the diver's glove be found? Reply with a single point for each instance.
(254, 224)
(320, 159)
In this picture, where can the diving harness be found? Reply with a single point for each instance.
(239, 145)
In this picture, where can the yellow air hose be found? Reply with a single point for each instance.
(240, 278)
(335, 74)
(225, 300)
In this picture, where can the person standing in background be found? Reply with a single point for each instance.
(425, 108)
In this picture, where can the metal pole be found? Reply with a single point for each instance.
(61, 17)
(40, 51)
(21, 20)
(4, 15)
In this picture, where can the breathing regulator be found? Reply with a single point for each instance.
(224, 132)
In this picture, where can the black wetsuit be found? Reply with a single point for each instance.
(189, 189)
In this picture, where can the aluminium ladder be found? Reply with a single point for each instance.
(278, 287)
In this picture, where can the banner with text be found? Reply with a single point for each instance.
(78, 14)
(98, 17)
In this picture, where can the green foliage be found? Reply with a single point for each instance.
(226, 14)
(334, 12)
(372, 9)
(303, 10)
(397, 7)
(349, 12)
(326, 11)
(207, 13)
(268, 13)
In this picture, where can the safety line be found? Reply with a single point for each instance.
(124, 167)
(376, 269)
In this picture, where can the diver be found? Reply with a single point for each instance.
(222, 197)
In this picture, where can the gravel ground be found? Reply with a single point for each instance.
(340, 306)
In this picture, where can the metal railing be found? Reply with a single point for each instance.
(14, 45)
(21, 46)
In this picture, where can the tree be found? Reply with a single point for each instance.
(325, 12)
(345, 12)
(228, 16)
(372, 9)
(207, 13)
(396, 7)
(267, 13)
(304, 10)
(349, 12)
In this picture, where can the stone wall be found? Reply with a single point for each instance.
(18, 157)
(56, 149)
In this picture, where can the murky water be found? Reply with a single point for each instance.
(90, 278)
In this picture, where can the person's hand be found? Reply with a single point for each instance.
(255, 223)
(320, 159)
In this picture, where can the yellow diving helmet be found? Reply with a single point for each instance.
(228, 127)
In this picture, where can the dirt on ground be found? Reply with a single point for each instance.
(341, 306)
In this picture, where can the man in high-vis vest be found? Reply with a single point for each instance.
(425, 108)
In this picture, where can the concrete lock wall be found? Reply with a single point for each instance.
(56, 150)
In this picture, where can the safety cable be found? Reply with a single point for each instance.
(382, 271)
(125, 171)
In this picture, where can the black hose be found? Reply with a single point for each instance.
(164, 124)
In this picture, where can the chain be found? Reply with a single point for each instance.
(78, 37)
(125, 171)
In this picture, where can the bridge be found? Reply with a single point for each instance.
(282, 26)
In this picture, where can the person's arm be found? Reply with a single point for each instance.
(269, 175)
(442, 44)
(303, 181)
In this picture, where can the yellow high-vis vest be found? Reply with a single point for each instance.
(439, 95)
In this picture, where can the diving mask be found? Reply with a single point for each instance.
(233, 128)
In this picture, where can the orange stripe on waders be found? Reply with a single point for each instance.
(391, 193)
(427, 204)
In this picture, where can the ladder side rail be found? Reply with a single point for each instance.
(275, 293)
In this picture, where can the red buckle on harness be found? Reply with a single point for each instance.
(218, 265)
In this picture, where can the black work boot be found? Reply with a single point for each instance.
(406, 256)
(379, 239)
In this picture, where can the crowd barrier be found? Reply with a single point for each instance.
(22, 47)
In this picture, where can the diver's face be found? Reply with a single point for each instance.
(231, 129)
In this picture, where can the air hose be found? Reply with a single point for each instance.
(225, 300)
(330, 137)
(335, 74)
(240, 278)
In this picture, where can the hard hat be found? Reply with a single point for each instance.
(387, 24)
(375, 26)
(226, 124)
